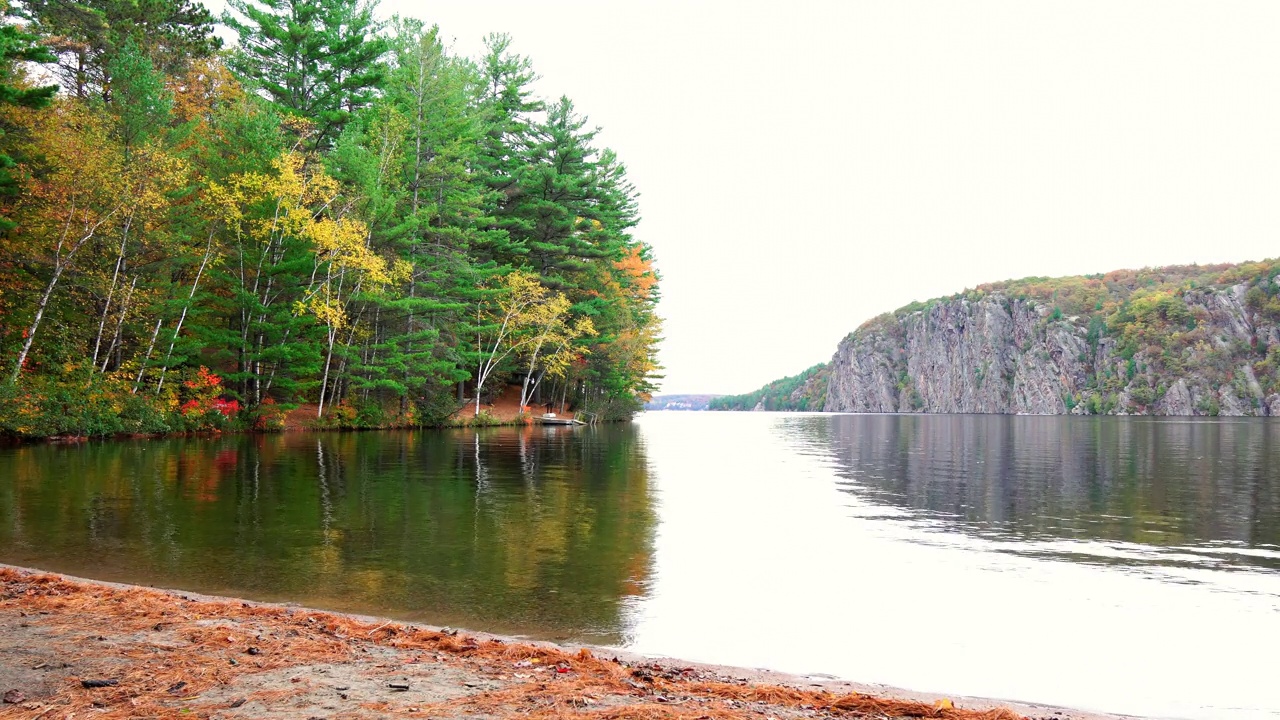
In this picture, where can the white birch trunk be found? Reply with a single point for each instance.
(208, 250)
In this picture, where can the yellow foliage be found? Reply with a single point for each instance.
(401, 271)
(302, 196)
(531, 321)
(330, 312)
(343, 243)
(557, 362)
(82, 180)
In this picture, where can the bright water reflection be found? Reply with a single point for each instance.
(1122, 565)
(1125, 565)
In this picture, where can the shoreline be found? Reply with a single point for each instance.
(505, 411)
(15, 440)
(171, 652)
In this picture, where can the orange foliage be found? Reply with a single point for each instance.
(637, 273)
(207, 84)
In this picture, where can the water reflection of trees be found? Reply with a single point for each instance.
(1149, 481)
(520, 529)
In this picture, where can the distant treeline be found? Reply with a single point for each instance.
(805, 391)
(679, 402)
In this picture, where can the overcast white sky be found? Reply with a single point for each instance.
(805, 166)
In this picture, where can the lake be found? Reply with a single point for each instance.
(1127, 565)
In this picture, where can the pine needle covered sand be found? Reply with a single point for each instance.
(89, 650)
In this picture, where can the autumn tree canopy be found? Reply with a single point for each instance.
(336, 212)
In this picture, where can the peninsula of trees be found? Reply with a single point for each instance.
(805, 391)
(335, 212)
(1183, 340)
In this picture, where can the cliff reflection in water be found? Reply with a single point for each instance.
(525, 530)
(1200, 492)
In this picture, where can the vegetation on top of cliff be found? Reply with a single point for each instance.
(1141, 309)
(341, 214)
(1108, 293)
(804, 391)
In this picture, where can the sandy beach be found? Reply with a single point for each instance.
(71, 647)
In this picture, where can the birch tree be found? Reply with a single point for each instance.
(79, 187)
(552, 350)
(507, 324)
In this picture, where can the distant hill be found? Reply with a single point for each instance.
(679, 402)
(805, 391)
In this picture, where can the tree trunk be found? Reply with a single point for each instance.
(324, 382)
(102, 323)
(115, 339)
(60, 263)
(177, 330)
(147, 358)
(480, 370)
(35, 323)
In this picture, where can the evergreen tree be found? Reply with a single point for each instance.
(557, 206)
(87, 35)
(17, 47)
(444, 206)
(318, 59)
(507, 105)
(140, 101)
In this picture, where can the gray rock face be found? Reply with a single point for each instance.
(1007, 355)
(1177, 401)
(1272, 405)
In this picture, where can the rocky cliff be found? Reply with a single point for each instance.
(1170, 341)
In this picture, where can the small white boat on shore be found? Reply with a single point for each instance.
(553, 419)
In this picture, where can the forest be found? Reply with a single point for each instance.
(333, 213)
(806, 391)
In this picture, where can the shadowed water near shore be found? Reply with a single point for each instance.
(527, 530)
(1114, 564)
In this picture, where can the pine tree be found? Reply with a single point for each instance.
(140, 101)
(444, 207)
(557, 205)
(507, 105)
(16, 47)
(317, 59)
(171, 225)
(87, 35)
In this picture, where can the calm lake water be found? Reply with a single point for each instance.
(1116, 564)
